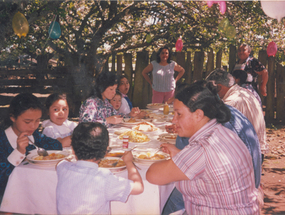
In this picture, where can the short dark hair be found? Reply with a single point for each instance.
(90, 140)
(241, 75)
(158, 54)
(104, 80)
(18, 105)
(198, 96)
(220, 76)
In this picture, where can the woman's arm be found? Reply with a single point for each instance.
(145, 73)
(164, 172)
(180, 71)
(264, 80)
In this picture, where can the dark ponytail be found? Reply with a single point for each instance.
(197, 96)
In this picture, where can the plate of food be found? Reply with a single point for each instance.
(168, 137)
(135, 136)
(115, 153)
(155, 106)
(149, 157)
(54, 156)
(114, 164)
(131, 121)
(145, 127)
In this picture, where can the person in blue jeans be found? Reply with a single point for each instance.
(243, 127)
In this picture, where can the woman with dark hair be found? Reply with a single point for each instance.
(97, 108)
(214, 172)
(163, 82)
(21, 126)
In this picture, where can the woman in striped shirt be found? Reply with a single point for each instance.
(214, 172)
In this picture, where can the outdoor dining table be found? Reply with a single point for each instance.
(31, 188)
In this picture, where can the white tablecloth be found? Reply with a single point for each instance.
(31, 189)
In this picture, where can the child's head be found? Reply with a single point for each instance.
(58, 107)
(240, 76)
(124, 84)
(90, 141)
(116, 101)
(25, 112)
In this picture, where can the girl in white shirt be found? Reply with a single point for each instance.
(58, 126)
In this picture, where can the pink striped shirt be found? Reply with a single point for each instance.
(220, 172)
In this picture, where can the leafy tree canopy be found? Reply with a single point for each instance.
(94, 30)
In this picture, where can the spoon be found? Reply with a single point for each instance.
(41, 151)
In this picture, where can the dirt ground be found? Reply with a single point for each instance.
(273, 173)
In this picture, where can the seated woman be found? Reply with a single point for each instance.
(97, 108)
(21, 124)
(214, 172)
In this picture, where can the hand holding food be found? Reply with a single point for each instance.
(171, 128)
(134, 112)
(169, 149)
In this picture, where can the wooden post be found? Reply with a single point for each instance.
(180, 60)
(280, 91)
(232, 57)
(129, 72)
(269, 113)
(210, 62)
(219, 59)
(198, 65)
(188, 69)
(141, 87)
(113, 69)
(119, 64)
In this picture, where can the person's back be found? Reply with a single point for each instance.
(248, 105)
(83, 187)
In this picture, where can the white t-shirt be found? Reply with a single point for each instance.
(125, 108)
(58, 131)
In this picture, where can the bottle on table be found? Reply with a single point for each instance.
(166, 109)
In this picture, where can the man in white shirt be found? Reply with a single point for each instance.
(243, 100)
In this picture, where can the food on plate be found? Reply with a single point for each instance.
(145, 126)
(149, 156)
(155, 116)
(135, 136)
(131, 120)
(114, 154)
(52, 156)
(107, 163)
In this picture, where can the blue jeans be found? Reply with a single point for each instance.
(174, 203)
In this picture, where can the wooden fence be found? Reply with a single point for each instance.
(197, 66)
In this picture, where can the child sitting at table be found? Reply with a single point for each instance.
(58, 126)
(21, 124)
(82, 187)
(116, 101)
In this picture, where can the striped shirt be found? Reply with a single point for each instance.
(248, 105)
(163, 77)
(220, 172)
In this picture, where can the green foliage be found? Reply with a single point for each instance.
(96, 29)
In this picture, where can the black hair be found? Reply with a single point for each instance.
(158, 54)
(198, 96)
(241, 75)
(104, 80)
(18, 105)
(118, 93)
(90, 140)
(123, 76)
(57, 96)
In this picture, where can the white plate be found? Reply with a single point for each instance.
(169, 138)
(155, 106)
(126, 122)
(33, 154)
(136, 155)
(133, 141)
(114, 169)
(148, 124)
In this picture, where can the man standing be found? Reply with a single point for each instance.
(253, 68)
(243, 100)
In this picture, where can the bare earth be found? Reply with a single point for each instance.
(273, 178)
